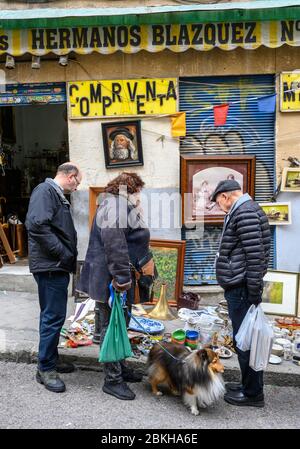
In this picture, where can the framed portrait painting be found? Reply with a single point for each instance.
(122, 144)
(199, 177)
(277, 213)
(169, 261)
(290, 180)
(280, 294)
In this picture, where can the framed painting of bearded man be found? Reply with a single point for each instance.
(122, 144)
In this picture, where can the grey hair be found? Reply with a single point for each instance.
(68, 168)
(131, 148)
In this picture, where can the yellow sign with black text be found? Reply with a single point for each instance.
(290, 91)
(153, 38)
(114, 98)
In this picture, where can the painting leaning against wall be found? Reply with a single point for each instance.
(166, 264)
(281, 292)
(169, 261)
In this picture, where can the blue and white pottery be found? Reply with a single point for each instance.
(142, 324)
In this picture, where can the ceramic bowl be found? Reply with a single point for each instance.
(178, 336)
(274, 359)
(192, 335)
(224, 353)
(277, 349)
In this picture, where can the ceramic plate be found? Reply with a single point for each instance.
(274, 360)
(282, 341)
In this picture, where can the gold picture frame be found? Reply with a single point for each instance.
(94, 193)
(290, 181)
(169, 260)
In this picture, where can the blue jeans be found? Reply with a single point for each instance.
(238, 306)
(53, 296)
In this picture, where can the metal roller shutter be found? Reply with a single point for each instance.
(247, 131)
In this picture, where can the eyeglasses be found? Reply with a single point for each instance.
(77, 182)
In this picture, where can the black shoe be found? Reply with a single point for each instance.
(238, 398)
(233, 386)
(120, 391)
(51, 380)
(65, 367)
(132, 376)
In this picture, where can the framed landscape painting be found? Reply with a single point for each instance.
(290, 180)
(277, 213)
(199, 177)
(280, 294)
(169, 260)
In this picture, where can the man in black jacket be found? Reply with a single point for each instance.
(52, 243)
(241, 264)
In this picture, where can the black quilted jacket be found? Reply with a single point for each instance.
(244, 250)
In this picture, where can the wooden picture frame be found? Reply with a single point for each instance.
(169, 260)
(94, 193)
(281, 293)
(290, 179)
(128, 137)
(199, 177)
(278, 214)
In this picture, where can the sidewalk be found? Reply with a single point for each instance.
(19, 322)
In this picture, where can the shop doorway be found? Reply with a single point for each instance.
(33, 142)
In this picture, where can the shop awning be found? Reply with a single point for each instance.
(178, 28)
(220, 12)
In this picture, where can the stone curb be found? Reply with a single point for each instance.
(89, 363)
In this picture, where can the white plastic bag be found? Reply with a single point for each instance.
(244, 336)
(262, 341)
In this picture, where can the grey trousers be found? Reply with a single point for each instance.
(114, 370)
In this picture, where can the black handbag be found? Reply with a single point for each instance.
(147, 270)
(145, 273)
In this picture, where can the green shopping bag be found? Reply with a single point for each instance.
(116, 345)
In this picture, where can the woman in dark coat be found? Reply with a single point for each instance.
(118, 239)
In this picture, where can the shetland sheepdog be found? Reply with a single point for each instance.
(194, 375)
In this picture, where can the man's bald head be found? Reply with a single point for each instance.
(68, 176)
(67, 168)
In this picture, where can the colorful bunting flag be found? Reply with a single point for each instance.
(179, 124)
(267, 104)
(220, 114)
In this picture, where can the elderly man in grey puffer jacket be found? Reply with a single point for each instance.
(241, 264)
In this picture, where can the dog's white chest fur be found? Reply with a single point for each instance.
(205, 396)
